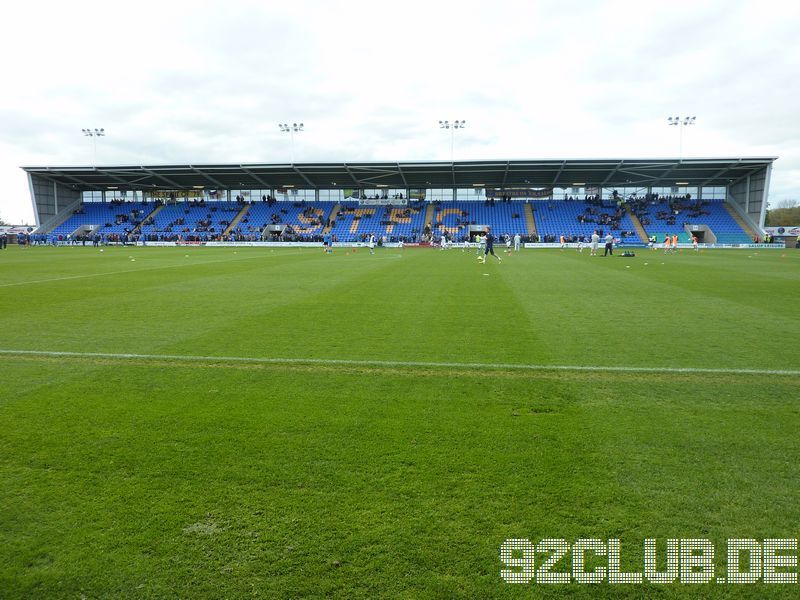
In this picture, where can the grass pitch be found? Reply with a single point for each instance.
(414, 414)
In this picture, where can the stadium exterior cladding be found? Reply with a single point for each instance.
(745, 178)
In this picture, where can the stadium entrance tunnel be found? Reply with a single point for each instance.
(273, 230)
(86, 230)
(703, 233)
(475, 230)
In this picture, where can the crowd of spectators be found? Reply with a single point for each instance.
(651, 206)
(604, 216)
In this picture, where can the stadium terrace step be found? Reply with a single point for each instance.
(530, 219)
(637, 225)
(153, 213)
(331, 218)
(741, 222)
(60, 218)
(236, 219)
(429, 216)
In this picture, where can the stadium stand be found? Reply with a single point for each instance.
(353, 222)
(738, 185)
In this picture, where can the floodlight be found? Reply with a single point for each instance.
(681, 122)
(457, 124)
(291, 129)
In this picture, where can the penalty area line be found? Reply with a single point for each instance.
(188, 358)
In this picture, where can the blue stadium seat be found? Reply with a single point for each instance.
(356, 222)
(561, 217)
(719, 220)
(113, 218)
(455, 218)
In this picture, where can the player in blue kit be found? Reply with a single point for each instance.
(489, 246)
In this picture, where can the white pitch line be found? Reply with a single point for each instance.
(399, 363)
(184, 264)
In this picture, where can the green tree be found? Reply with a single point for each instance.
(785, 213)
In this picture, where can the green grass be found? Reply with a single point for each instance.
(162, 477)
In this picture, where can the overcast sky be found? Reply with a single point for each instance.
(198, 82)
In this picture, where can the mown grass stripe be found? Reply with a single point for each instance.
(130, 271)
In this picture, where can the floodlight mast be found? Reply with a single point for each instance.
(680, 123)
(94, 134)
(452, 127)
(291, 129)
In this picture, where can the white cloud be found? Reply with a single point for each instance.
(176, 82)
